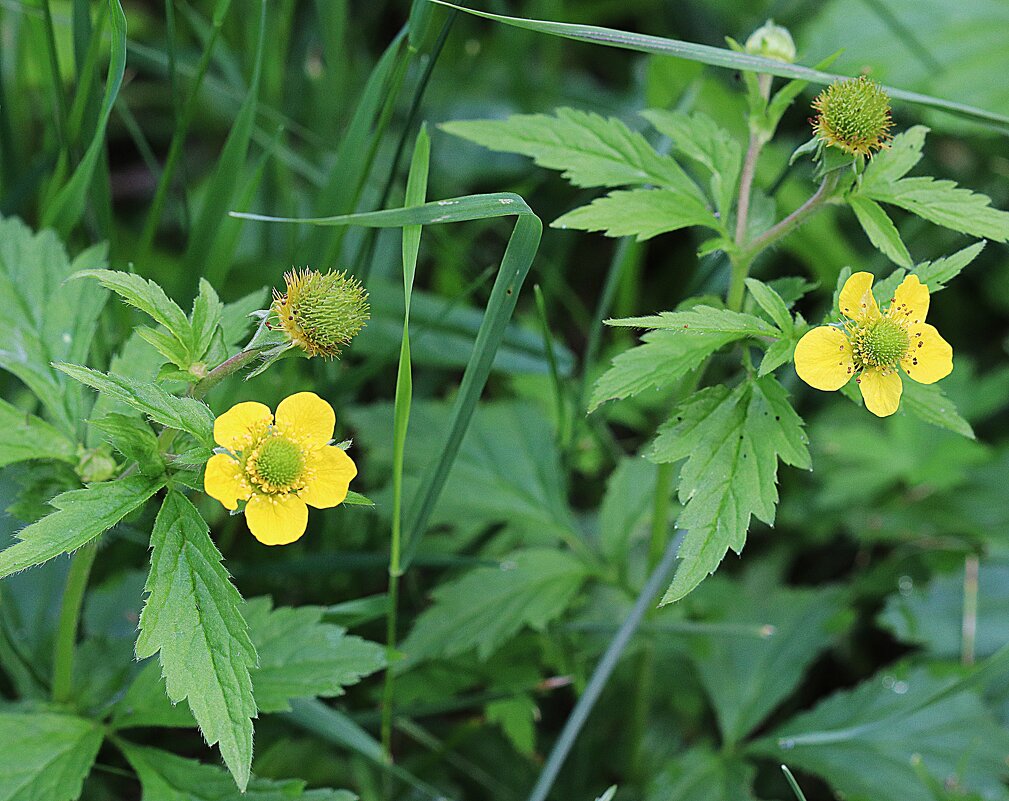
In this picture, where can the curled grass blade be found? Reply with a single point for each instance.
(515, 265)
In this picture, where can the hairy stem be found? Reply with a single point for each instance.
(795, 219)
(224, 369)
(70, 614)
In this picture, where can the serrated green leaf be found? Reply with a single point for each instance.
(80, 517)
(150, 298)
(626, 505)
(732, 441)
(302, 657)
(182, 414)
(489, 605)
(642, 213)
(703, 320)
(591, 150)
(134, 439)
(781, 351)
(205, 319)
(193, 617)
(746, 677)
(956, 739)
(167, 345)
(945, 204)
(936, 274)
(699, 773)
(700, 138)
(26, 437)
(167, 777)
(771, 302)
(517, 718)
(880, 229)
(664, 357)
(46, 756)
(929, 403)
(894, 162)
(47, 317)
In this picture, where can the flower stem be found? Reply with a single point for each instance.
(793, 220)
(224, 369)
(70, 613)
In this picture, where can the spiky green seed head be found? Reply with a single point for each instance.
(321, 313)
(854, 115)
(771, 41)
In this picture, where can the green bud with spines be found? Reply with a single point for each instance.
(854, 115)
(321, 312)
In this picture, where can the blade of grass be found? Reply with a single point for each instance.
(356, 152)
(223, 186)
(573, 725)
(183, 120)
(515, 266)
(59, 96)
(362, 264)
(722, 57)
(416, 193)
(67, 208)
(799, 795)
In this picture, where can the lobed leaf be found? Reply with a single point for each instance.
(642, 213)
(591, 150)
(877, 727)
(880, 229)
(936, 274)
(896, 161)
(148, 297)
(664, 357)
(487, 606)
(302, 657)
(193, 618)
(27, 437)
(771, 302)
(167, 777)
(732, 441)
(703, 320)
(80, 517)
(700, 138)
(945, 204)
(47, 755)
(182, 414)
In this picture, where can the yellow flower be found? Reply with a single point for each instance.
(871, 344)
(278, 467)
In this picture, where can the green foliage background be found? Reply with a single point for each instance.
(858, 641)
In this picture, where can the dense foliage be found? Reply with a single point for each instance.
(573, 401)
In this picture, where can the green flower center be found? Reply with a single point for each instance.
(279, 462)
(884, 343)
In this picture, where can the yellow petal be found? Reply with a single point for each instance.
(224, 481)
(930, 357)
(823, 358)
(306, 417)
(331, 473)
(276, 519)
(910, 301)
(856, 301)
(241, 424)
(881, 390)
